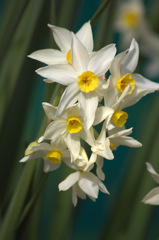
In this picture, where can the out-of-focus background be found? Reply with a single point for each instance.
(120, 215)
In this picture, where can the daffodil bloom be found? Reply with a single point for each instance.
(130, 20)
(153, 196)
(69, 125)
(115, 138)
(112, 111)
(122, 75)
(63, 38)
(82, 78)
(52, 153)
(83, 182)
(150, 48)
(118, 138)
(130, 15)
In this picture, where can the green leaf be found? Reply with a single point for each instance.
(13, 212)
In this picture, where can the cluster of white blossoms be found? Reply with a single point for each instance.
(89, 122)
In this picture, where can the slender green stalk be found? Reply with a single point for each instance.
(105, 28)
(63, 211)
(7, 15)
(29, 205)
(99, 12)
(5, 40)
(10, 69)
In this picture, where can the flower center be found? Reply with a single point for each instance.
(88, 81)
(111, 146)
(27, 151)
(131, 19)
(68, 56)
(123, 82)
(54, 156)
(74, 125)
(119, 118)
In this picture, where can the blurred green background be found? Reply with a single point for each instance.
(49, 214)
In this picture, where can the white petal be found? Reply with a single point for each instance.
(145, 83)
(69, 181)
(154, 174)
(152, 197)
(73, 143)
(99, 171)
(88, 104)
(87, 183)
(69, 97)
(55, 129)
(49, 56)
(41, 147)
(111, 96)
(62, 37)
(80, 193)
(115, 65)
(85, 36)
(50, 110)
(49, 166)
(31, 156)
(88, 136)
(101, 114)
(119, 103)
(79, 55)
(107, 153)
(127, 141)
(131, 58)
(102, 187)
(63, 74)
(102, 135)
(101, 61)
(91, 162)
(133, 98)
(114, 134)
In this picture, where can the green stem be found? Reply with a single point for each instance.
(99, 12)
(5, 41)
(32, 200)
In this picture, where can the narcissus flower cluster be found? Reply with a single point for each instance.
(91, 109)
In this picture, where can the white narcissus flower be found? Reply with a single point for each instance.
(111, 112)
(122, 75)
(63, 39)
(83, 182)
(69, 125)
(82, 78)
(118, 138)
(52, 153)
(153, 196)
(150, 49)
(130, 20)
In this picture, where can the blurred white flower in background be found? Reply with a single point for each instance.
(153, 196)
(131, 23)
